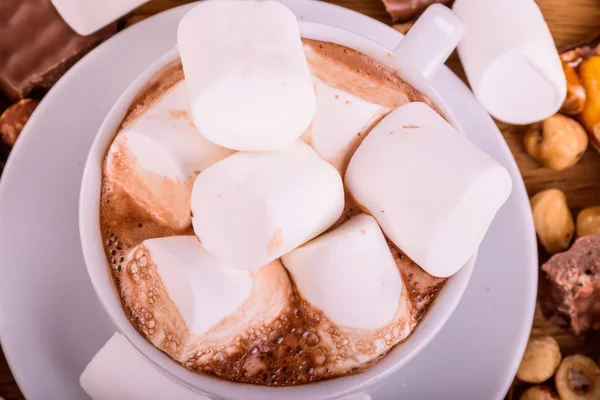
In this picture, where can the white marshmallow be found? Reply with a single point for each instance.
(199, 303)
(349, 274)
(162, 143)
(433, 192)
(251, 208)
(511, 60)
(340, 122)
(118, 371)
(204, 290)
(87, 16)
(250, 89)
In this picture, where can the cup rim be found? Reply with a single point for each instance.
(101, 278)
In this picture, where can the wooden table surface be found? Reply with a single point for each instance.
(570, 21)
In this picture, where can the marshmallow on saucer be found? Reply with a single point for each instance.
(349, 274)
(204, 290)
(87, 16)
(119, 371)
(341, 121)
(248, 80)
(432, 191)
(510, 59)
(156, 157)
(252, 208)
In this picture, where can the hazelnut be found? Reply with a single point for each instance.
(578, 378)
(557, 142)
(588, 221)
(553, 220)
(541, 358)
(575, 100)
(539, 392)
(13, 120)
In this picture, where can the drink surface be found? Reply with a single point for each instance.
(297, 343)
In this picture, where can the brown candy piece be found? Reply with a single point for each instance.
(403, 10)
(37, 46)
(13, 120)
(571, 286)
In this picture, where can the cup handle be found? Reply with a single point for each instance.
(431, 40)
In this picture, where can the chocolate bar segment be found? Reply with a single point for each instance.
(403, 10)
(571, 286)
(37, 47)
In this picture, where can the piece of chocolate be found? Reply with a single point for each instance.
(37, 47)
(13, 120)
(403, 10)
(571, 282)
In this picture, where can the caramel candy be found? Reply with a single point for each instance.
(581, 64)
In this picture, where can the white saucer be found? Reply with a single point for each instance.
(51, 323)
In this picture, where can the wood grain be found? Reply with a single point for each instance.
(571, 21)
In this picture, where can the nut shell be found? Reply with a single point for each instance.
(578, 378)
(553, 220)
(542, 357)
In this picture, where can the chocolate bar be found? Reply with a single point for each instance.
(403, 10)
(37, 47)
(571, 286)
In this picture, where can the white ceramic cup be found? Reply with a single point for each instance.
(427, 46)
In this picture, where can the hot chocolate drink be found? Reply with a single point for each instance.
(278, 324)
